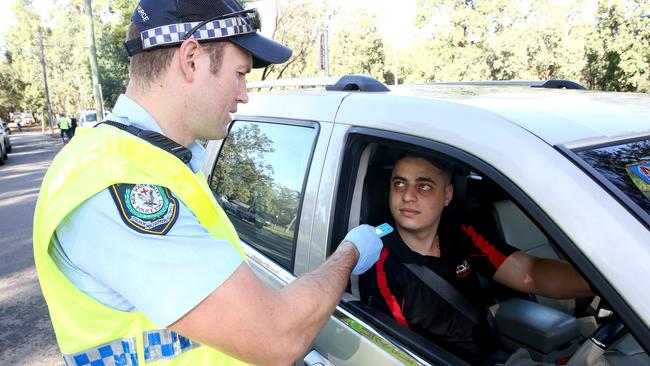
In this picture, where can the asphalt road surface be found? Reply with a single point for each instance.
(26, 335)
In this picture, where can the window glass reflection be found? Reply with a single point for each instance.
(627, 166)
(258, 180)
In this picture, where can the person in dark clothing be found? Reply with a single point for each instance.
(420, 188)
(73, 126)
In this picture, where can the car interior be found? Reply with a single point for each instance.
(551, 330)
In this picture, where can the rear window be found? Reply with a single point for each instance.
(626, 165)
(91, 117)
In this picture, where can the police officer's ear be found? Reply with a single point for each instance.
(188, 54)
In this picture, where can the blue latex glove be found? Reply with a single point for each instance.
(368, 244)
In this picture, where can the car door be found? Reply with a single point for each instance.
(276, 166)
(548, 197)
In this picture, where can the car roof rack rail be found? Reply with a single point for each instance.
(560, 84)
(358, 83)
(335, 83)
(546, 84)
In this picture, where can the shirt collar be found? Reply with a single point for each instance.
(405, 254)
(128, 112)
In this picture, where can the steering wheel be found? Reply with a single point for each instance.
(593, 348)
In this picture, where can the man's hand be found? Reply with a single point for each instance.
(368, 244)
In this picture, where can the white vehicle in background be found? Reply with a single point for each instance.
(87, 118)
(27, 119)
(24, 118)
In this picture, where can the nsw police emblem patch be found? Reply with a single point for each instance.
(145, 208)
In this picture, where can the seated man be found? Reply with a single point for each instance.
(420, 188)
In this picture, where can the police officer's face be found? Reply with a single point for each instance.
(221, 92)
(418, 193)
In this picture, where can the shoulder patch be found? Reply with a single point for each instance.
(145, 208)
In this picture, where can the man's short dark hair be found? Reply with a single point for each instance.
(444, 165)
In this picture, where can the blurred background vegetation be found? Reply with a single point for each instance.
(605, 48)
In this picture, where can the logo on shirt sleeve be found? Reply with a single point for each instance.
(463, 269)
(145, 208)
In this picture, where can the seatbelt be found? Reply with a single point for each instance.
(445, 290)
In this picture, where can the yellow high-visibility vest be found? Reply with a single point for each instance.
(86, 329)
(65, 123)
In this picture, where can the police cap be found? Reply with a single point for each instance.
(165, 23)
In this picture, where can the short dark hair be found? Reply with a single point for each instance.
(446, 166)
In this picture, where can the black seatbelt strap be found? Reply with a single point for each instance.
(156, 139)
(448, 292)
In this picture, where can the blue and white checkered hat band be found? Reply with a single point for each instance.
(175, 33)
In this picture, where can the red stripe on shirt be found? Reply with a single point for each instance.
(388, 296)
(495, 257)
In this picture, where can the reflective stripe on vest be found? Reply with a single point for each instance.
(94, 160)
(121, 352)
(162, 344)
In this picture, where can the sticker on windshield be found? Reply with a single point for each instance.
(640, 175)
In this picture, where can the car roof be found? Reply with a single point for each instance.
(555, 116)
(573, 117)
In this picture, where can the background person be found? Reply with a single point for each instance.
(65, 125)
(135, 258)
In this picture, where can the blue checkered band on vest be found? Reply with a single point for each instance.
(175, 33)
(121, 352)
(165, 344)
(159, 345)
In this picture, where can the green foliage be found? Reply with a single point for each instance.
(608, 49)
(297, 24)
(356, 46)
(11, 93)
(618, 50)
(539, 39)
(111, 56)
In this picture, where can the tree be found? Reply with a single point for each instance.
(241, 170)
(23, 46)
(357, 47)
(617, 52)
(112, 57)
(297, 25)
(11, 93)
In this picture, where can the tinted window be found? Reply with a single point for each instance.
(258, 180)
(626, 165)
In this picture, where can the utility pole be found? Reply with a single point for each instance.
(47, 92)
(395, 64)
(99, 104)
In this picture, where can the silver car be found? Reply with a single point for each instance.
(561, 173)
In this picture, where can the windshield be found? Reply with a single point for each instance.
(626, 165)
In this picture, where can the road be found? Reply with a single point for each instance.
(26, 335)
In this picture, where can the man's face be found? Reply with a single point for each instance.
(418, 193)
(220, 92)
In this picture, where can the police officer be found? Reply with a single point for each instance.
(64, 125)
(136, 260)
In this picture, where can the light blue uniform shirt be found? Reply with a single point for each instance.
(163, 276)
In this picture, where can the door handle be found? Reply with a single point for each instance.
(314, 358)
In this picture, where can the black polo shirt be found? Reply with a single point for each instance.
(464, 255)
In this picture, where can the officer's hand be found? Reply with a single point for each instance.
(367, 243)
